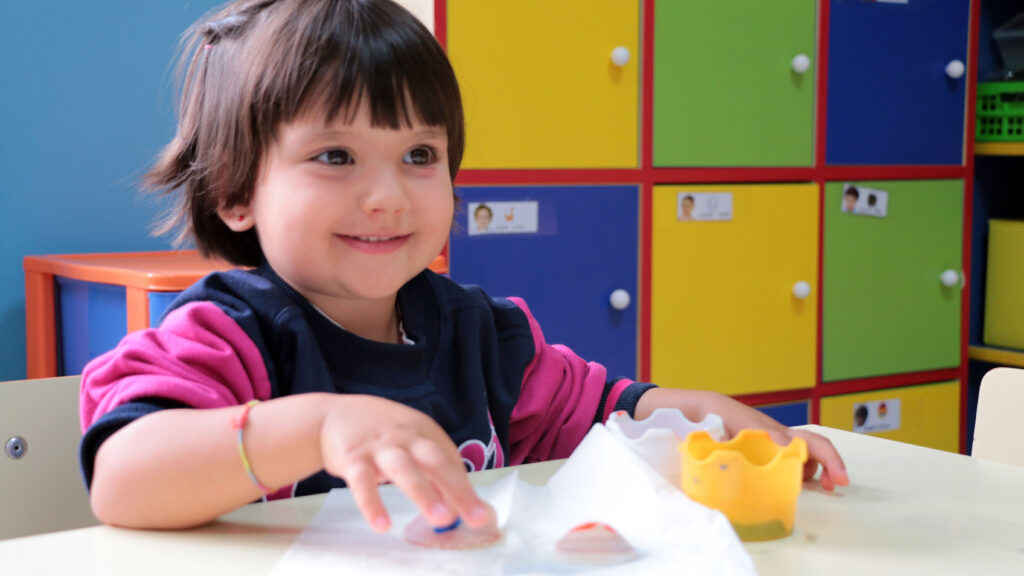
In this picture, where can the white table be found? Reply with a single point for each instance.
(909, 510)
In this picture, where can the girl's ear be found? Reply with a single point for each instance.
(237, 218)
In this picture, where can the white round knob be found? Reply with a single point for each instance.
(801, 63)
(620, 56)
(801, 290)
(955, 69)
(950, 278)
(619, 299)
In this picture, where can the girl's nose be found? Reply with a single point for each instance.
(384, 192)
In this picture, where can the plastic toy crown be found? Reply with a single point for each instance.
(750, 478)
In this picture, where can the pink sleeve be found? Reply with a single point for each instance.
(198, 356)
(560, 396)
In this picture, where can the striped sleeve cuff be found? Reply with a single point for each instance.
(621, 395)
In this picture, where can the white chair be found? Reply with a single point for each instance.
(41, 488)
(999, 420)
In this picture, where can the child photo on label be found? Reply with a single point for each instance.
(704, 206)
(877, 416)
(482, 216)
(865, 201)
(503, 217)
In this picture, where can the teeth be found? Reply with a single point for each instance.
(375, 238)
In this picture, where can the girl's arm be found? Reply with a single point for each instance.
(181, 468)
(561, 396)
(696, 404)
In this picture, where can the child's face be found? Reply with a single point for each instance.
(483, 219)
(347, 213)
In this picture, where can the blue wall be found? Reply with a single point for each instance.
(86, 101)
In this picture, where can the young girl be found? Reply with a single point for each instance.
(317, 145)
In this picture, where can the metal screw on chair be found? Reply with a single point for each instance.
(16, 447)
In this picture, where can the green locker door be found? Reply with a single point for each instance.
(728, 86)
(892, 283)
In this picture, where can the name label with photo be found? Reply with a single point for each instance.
(704, 206)
(502, 217)
(877, 416)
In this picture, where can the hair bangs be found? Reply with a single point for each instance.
(369, 50)
(381, 61)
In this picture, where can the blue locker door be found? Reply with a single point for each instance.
(584, 248)
(794, 414)
(890, 100)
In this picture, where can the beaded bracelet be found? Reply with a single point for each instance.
(238, 423)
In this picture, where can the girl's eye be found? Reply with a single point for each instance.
(335, 157)
(421, 156)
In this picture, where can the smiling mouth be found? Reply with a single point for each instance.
(375, 239)
(375, 244)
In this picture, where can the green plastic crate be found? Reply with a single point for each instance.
(1000, 112)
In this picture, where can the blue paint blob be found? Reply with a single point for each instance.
(448, 528)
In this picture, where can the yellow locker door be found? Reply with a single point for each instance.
(734, 300)
(539, 84)
(927, 415)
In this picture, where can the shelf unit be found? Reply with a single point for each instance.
(999, 149)
(998, 166)
(1000, 356)
(847, 134)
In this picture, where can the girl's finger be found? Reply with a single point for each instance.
(449, 476)
(361, 478)
(826, 480)
(782, 436)
(821, 450)
(407, 474)
(810, 468)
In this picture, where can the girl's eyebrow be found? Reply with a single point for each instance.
(432, 132)
(326, 132)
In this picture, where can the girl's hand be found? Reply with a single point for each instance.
(736, 416)
(366, 440)
(820, 450)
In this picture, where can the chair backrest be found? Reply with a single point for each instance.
(998, 426)
(40, 482)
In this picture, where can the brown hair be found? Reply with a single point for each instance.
(255, 64)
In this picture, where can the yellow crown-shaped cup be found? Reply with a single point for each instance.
(751, 479)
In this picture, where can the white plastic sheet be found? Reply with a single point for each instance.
(602, 481)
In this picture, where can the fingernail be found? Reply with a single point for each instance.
(479, 514)
(440, 511)
(448, 528)
(381, 524)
